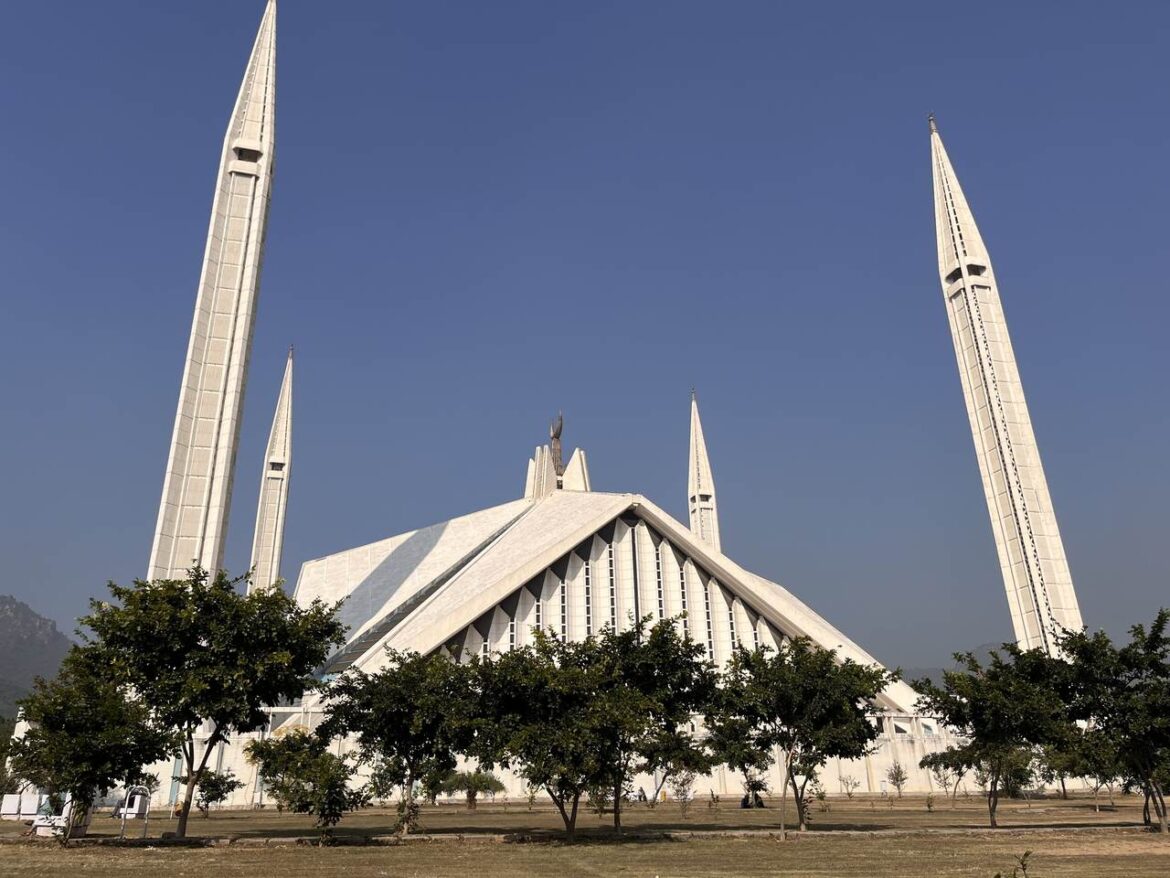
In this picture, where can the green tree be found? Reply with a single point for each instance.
(654, 681)
(897, 777)
(8, 783)
(1002, 713)
(304, 777)
(802, 699)
(86, 735)
(207, 660)
(540, 713)
(213, 787)
(1124, 693)
(411, 719)
(473, 784)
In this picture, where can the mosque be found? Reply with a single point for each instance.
(563, 556)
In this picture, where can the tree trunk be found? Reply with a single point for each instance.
(993, 801)
(1063, 788)
(471, 800)
(783, 798)
(568, 817)
(571, 823)
(617, 807)
(193, 775)
(1159, 806)
(799, 799)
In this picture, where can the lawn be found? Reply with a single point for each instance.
(1077, 842)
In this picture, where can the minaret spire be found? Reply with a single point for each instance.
(269, 538)
(1031, 554)
(197, 489)
(701, 485)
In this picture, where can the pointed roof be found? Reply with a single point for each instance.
(959, 243)
(701, 483)
(280, 437)
(253, 123)
(444, 588)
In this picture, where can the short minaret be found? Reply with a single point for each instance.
(269, 539)
(197, 490)
(701, 485)
(1031, 555)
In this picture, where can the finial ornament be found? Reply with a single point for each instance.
(933, 124)
(554, 435)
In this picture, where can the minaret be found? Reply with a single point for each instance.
(1031, 555)
(197, 490)
(701, 485)
(269, 538)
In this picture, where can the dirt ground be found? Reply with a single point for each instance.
(886, 839)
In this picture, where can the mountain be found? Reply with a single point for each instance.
(30, 646)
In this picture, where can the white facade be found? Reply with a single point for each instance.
(1031, 555)
(572, 561)
(268, 541)
(197, 489)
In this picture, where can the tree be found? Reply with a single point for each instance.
(654, 680)
(897, 777)
(86, 735)
(540, 713)
(214, 787)
(801, 699)
(306, 778)
(206, 660)
(472, 784)
(682, 784)
(849, 784)
(948, 777)
(8, 783)
(1002, 712)
(1124, 694)
(411, 720)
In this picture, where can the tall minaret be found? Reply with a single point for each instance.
(269, 539)
(197, 490)
(1031, 555)
(701, 485)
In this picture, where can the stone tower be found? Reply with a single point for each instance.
(268, 542)
(701, 485)
(1031, 555)
(197, 490)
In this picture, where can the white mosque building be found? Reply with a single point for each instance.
(563, 556)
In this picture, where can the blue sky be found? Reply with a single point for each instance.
(486, 212)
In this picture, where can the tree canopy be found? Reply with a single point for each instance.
(1002, 713)
(1123, 694)
(86, 734)
(304, 777)
(206, 660)
(801, 699)
(411, 719)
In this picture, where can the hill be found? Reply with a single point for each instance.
(30, 646)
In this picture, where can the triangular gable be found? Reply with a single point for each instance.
(560, 524)
(377, 578)
(553, 528)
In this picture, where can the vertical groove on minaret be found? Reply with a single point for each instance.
(193, 514)
(1032, 559)
(268, 541)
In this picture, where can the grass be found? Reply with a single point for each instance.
(913, 849)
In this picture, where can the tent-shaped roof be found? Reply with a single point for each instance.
(417, 590)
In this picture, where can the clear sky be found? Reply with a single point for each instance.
(484, 212)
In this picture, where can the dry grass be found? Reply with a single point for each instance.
(1065, 850)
